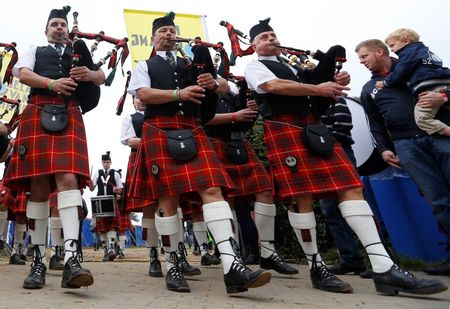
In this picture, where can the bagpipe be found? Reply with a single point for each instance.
(88, 92)
(234, 35)
(200, 63)
(13, 105)
(330, 63)
(15, 56)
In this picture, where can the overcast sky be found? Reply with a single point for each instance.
(318, 24)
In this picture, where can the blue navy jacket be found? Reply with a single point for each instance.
(416, 64)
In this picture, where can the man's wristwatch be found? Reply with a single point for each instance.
(216, 85)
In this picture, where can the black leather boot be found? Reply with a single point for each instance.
(56, 263)
(155, 264)
(276, 263)
(121, 255)
(322, 279)
(16, 260)
(36, 278)
(399, 280)
(174, 279)
(186, 268)
(240, 278)
(20, 253)
(208, 259)
(74, 276)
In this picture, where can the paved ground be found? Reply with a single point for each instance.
(126, 284)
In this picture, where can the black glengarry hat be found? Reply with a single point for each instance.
(263, 26)
(106, 157)
(166, 20)
(56, 13)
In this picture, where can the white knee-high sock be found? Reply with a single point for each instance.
(199, 229)
(168, 228)
(68, 203)
(217, 216)
(359, 217)
(122, 240)
(56, 231)
(265, 224)
(152, 234)
(111, 237)
(19, 234)
(38, 211)
(306, 222)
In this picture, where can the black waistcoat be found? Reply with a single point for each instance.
(273, 104)
(49, 64)
(109, 186)
(164, 77)
(137, 120)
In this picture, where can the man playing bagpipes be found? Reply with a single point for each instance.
(51, 149)
(303, 168)
(175, 157)
(228, 132)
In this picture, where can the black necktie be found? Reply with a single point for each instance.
(170, 59)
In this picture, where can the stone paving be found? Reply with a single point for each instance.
(126, 284)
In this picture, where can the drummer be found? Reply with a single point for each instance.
(108, 182)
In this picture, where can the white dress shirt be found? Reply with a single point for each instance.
(256, 73)
(127, 130)
(140, 77)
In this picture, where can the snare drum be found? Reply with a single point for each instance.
(103, 206)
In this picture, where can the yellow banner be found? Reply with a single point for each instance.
(14, 91)
(139, 29)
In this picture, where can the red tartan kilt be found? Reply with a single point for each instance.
(134, 204)
(174, 177)
(21, 203)
(250, 177)
(121, 223)
(48, 153)
(313, 174)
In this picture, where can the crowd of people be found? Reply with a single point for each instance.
(188, 161)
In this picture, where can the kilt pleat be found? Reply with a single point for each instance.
(134, 204)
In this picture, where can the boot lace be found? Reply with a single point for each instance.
(77, 254)
(238, 263)
(321, 270)
(37, 267)
(174, 271)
